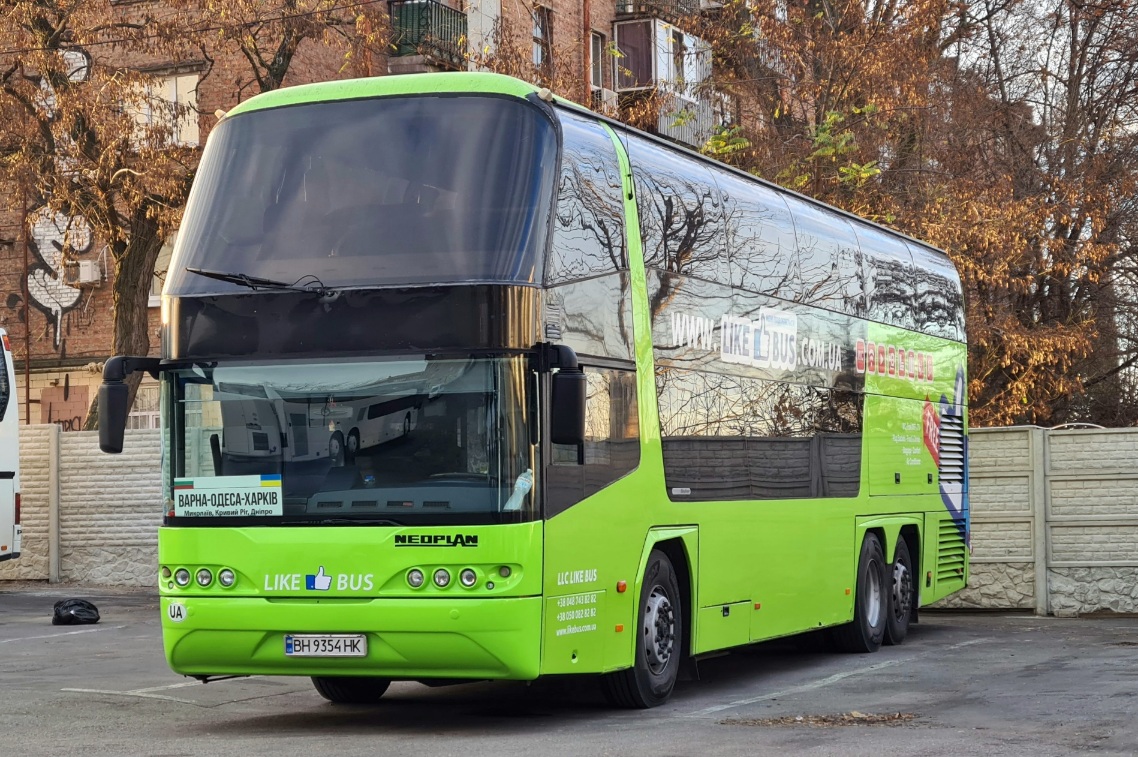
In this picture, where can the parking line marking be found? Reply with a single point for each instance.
(181, 685)
(819, 683)
(138, 694)
(65, 633)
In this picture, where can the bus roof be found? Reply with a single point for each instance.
(380, 86)
(468, 82)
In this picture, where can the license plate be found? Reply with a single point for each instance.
(325, 645)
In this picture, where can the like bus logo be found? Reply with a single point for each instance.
(319, 582)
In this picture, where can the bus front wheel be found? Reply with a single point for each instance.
(867, 630)
(659, 641)
(351, 690)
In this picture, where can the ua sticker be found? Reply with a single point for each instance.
(176, 612)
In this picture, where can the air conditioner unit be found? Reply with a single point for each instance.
(83, 273)
(710, 5)
(606, 101)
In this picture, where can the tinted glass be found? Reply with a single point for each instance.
(5, 386)
(939, 300)
(888, 277)
(760, 237)
(681, 212)
(612, 441)
(593, 316)
(441, 441)
(736, 437)
(588, 235)
(386, 191)
(828, 260)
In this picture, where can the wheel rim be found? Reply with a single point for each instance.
(334, 447)
(406, 425)
(353, 444)
(659, 629)
(872, 604)
(902, 591)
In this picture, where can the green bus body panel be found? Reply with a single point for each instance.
(407, 638)
(384, 86)
(428, 632)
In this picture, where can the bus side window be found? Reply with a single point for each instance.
(612, 441)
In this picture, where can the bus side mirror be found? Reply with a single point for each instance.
(113, 396)
(112, 415)
(567, 414)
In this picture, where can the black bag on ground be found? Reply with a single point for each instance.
(74, 612)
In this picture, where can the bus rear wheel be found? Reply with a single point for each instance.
(659, 641)
(351, 690)
(901, 595)
(866, 631)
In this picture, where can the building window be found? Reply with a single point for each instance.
(172, 101)
(597, 59)
(145, 413)
(679, 53)
(635, 67)
(542, 38)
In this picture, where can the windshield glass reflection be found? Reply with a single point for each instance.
(407, 440)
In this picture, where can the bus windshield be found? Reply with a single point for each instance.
(408, 440)
(376, 192)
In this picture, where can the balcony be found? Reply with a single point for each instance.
(671, 10)
(691, 120)
(427, 35)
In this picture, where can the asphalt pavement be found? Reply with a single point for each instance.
(990, 684)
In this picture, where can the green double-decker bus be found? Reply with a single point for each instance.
(462, 381)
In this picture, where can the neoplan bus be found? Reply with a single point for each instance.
(663, 409)
(10, 529)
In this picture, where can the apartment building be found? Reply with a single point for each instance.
(612, 54)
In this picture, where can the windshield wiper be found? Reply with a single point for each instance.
(311, 284)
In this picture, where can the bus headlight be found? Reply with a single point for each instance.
(468, 577)
(182, 577)
(415, 578)
(205, 578)
(442, 578)
(225, 577)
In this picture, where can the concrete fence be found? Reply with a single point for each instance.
(1054, 516)
(87, 516)
(1054, 521)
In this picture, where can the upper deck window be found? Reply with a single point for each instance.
(377, 192)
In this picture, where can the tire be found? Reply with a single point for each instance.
(866, 631)
(353, 446)
(407, 424)
(336, 449)
(901, 595)
(351, 690)
(659, 641)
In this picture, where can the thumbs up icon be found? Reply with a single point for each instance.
(318, 582)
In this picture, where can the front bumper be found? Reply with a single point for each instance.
(496, 638)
